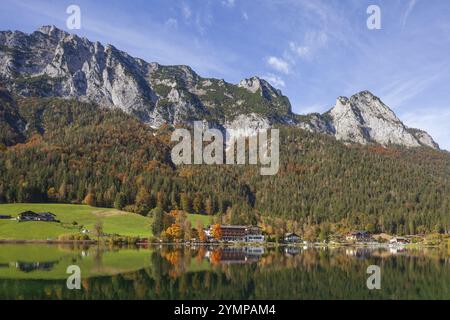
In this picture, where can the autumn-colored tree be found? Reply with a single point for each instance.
(143, 197)
(52, 194)
(168, 220)
(185, 202)
(200, 231)
(175, 231)
(98, 229)
(62, 191)
(197, 204)
(187, 230)
(90, 199)
(201, 235)
(216, 231)
(209, 207)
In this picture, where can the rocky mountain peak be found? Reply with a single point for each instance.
(255, 84)
(364, 118)
(252, 84)
(52, 31)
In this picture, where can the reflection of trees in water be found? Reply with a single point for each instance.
(311, 274)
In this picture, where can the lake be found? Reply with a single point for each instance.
(169, 272)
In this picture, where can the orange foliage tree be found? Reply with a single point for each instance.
(216, 231)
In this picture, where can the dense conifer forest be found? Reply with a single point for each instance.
(75, 152)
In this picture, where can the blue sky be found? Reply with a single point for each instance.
(313, 50)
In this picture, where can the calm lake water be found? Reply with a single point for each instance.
(39, 272)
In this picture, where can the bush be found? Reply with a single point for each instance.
(73, 237)
(66, 237)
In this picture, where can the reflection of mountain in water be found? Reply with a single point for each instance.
(35, 266)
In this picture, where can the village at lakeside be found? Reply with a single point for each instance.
(84, 223)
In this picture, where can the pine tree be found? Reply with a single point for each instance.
(158, 223)
(120, 201)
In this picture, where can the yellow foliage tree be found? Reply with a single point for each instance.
(175, 231)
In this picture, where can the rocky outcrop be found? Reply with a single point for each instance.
(364, 118)
(51, 62)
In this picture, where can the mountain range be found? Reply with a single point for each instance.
(53, 63)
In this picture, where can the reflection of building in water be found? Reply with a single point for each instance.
(234, 255)
(254, 250)
(360, 253)
(34, 266)
(292, 250)
(396, 250)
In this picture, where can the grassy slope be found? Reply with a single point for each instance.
(114, 221)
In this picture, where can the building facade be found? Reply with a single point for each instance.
(291, 238)
(233, 233)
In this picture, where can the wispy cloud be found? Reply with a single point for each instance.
(171, 23)
(158, 43)
(186, 11)
(274, 80)
(278, 64)
(434, 120)
(408, 11)
(406, 87)
(313, 41)
(229, 3)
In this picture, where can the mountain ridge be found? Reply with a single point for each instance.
(53, 63)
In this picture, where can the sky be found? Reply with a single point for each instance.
(313, 50)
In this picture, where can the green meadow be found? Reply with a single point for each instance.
(114, 221)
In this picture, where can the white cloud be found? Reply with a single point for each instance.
(278, 64)
(186, 11)
(274, 80)
(313, 42)
(171, 23)
(229, 3)
(245, 16)
(301, 51)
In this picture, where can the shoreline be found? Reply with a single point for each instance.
(218, 245)
(48, 241)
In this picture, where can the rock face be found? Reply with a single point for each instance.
(364, 118)
(52, 63)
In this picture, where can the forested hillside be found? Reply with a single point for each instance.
(74, 152)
